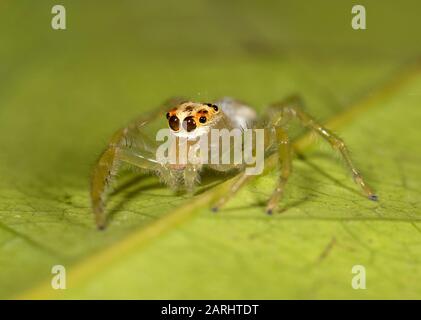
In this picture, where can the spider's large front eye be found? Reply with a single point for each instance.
(174, 123)
(189, 124)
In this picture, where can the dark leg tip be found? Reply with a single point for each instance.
(269, 211)
(214, 209)
(373, 197)
(101, 227)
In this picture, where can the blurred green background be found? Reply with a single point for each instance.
(63, 93)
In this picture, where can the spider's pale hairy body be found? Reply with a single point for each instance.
(191, 121)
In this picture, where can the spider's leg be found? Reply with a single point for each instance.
(104, 173)
(282, 142)
(285, 163)
(291, 108)
(237, 184)
(129, 145)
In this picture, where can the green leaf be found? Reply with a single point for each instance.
(59, 106)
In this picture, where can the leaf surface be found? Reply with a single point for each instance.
(62, 95)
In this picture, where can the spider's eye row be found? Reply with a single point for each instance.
(202, 119)
(210, 105)
(189, 124)
(174, 123)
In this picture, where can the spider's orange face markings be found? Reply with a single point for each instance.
(191, 115)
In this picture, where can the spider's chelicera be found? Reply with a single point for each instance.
(231, 148)
(223, 136)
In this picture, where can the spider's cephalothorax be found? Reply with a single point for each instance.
(192, 120)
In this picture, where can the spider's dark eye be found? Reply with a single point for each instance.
(168, 115)
(174, 123)
(189, 124)
(210, 105)
(202, 119)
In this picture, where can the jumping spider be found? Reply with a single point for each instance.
(191, 120)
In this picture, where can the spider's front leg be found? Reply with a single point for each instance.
(285, 167)
(107, 166)
(234, 188)
(292, 108)
(128, 145)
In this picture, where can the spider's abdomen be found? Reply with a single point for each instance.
(241, 115)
